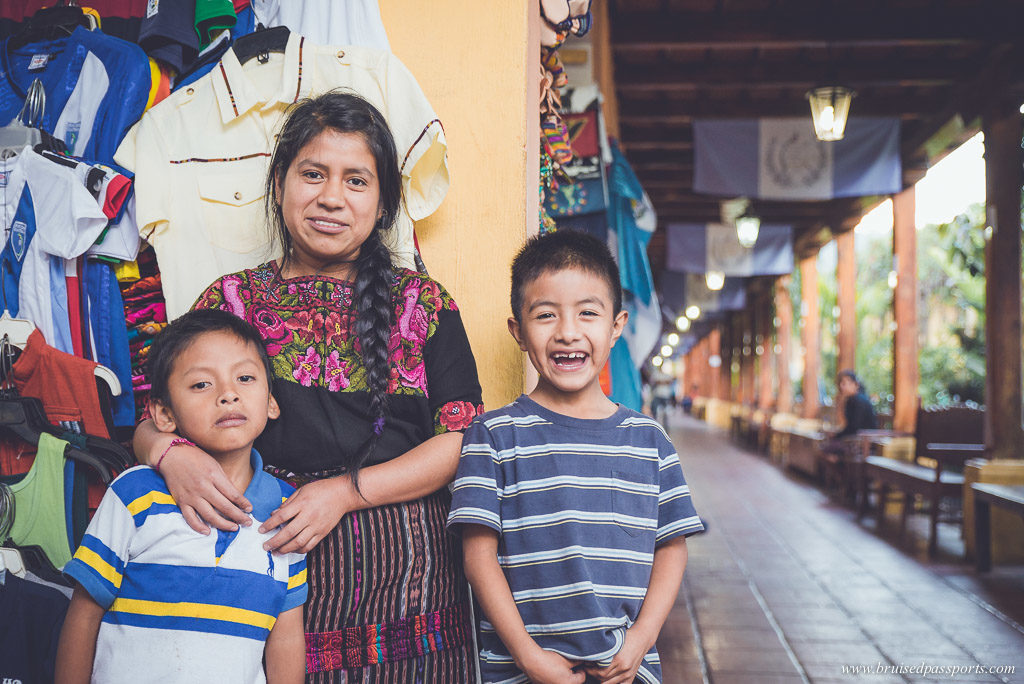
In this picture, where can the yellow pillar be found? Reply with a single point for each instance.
(486, 95)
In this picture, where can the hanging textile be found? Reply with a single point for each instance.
(703, 247)
(782, 159)
(639, 297)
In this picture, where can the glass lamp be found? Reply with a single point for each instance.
(830, 105)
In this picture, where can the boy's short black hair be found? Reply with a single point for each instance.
(179, 336)
(558, 251)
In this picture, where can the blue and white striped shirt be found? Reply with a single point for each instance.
(183, 606)
(580, 506)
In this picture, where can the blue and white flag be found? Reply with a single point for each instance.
(703, 247)
(682, 290)
(781, 159)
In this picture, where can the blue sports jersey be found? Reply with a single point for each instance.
(96, 85)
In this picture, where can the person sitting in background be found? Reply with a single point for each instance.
(858, 413)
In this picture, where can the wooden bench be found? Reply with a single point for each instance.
(1007, 497)
(944, 439)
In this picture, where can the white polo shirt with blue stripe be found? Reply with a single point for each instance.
(183, 606)
(580, 506)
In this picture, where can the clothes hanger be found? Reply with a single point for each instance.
(24, 128)
(38, 563)
(49, 23)
(11, 561)
(261, 43)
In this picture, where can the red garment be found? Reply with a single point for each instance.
(74, 295)
(67, 387)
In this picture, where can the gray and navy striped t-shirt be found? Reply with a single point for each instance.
(580, 506)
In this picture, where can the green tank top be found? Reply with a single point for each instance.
(39, 503)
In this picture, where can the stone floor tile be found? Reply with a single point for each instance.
(735, 660)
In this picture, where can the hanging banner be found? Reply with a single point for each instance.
(682, 290)
(703, 247)
(781, 159)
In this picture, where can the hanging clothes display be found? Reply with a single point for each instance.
(97, 86)
(47, 213)
(327, 22)
(30, 629)
(200, 158)
(39, 503)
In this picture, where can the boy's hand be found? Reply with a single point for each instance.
(309, 515)
(548, 667)
(626, 662)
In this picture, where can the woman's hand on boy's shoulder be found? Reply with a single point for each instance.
(308, 515)
(203, 492)
(548, 667)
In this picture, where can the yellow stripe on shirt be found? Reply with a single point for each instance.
(147, 500)
(94, 561)
(194, 610)
(296, 580)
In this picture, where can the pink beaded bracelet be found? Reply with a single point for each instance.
(174, 442)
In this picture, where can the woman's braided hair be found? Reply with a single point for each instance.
(373, 296)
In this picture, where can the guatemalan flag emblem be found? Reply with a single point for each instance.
(781, 159)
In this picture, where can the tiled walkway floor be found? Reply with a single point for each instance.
(787, 587)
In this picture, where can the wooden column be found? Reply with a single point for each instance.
(846, 276)
(764, 359)
(714, 374)
(725, 388)
(904, 345)
(811, 335)
(1003, 435)
(784, 312)
(747, 370)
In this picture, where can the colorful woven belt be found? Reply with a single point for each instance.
(387, 642)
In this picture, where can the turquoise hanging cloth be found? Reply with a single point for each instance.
(627, 202)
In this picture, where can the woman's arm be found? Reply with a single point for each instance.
(315, 509)
(196, 481)
(77, 647)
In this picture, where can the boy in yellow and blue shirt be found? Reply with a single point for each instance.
(157, 601)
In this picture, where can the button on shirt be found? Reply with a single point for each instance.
(201, 156)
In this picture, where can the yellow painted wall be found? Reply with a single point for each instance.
(478, 64)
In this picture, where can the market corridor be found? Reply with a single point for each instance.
(787, 587)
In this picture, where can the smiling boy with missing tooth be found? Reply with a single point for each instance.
(157, 601)
(573, 510)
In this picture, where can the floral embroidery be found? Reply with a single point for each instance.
(309, 326)
(334, 372)
(308, 368)
(456, 416)
(272, 327)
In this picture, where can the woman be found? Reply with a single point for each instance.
(375, 379)
(857, 409)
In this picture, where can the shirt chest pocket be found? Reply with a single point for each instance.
(635, 502)
(231, 197)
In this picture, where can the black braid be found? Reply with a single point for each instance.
(375, 303)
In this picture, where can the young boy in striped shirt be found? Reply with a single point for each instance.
(157, 601)
(573, 510)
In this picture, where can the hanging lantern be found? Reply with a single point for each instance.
(830, 105)
(657, 361)
(715, 280)
(693, 312)
(747, 228)
(673, 339)
(682, 324)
